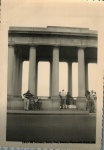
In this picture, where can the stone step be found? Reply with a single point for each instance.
(55, 112)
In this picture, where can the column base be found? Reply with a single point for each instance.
(51, 104)
(15, 103)
(55, 102)
(81, 103)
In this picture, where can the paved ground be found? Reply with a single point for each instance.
(51, 128)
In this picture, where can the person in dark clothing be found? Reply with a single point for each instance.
(27, 94)
(61, 100)
(87, 94)
(68, 96)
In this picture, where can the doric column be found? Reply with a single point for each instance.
(17, 75)
(11, 58)
(15, 81)
(81, 73)
(70, 78)
(20, 76)
(55, 72)
(32, 70)
(50, 90)
(86, 77)
(36, 85)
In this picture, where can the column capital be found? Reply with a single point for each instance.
(33, 45)
(81, 47)
(56, 46)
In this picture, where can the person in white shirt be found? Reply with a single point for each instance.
(26, 103)
(92, 107)
(63, 95)
(27, 96)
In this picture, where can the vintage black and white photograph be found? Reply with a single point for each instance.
(48, 111)
(53, 73)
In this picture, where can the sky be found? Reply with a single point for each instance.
(33, 13)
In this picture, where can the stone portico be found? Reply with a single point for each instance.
(52, 44)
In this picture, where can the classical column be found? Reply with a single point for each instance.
(11, 58)
(81, 73)
(50, 90)
(20, 76)
(15, 81)
(32, 70)
(86, 77)
(55, 72)
(36, 85)
(70, 78)
(81, 101)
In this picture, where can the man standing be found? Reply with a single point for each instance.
(92, 107)
(61, 101)
(68, 96)
(63, 95)
(27, 96)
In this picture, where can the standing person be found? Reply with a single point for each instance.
(92, 102)
(63, 94)
(87, 94)
(26, 103)
(27, 96)
(61, 100)
(68, 96)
